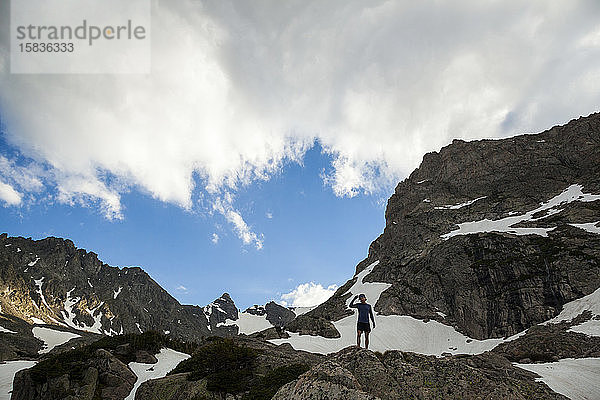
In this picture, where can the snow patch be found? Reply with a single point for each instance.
(138, 326)
(591, 303)
(571, 194)
(592, 227)
(249, 323)
(578, 379)
(167, 360)
(8, 370)
(117, 292)
(51, 337)
(69, 315)
(31, 264)
(90, 283)
(4, 330)
(97, 316)
(39, 283)
(461, 205)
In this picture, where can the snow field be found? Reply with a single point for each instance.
(52, 337)
(167, 360)
(576, 378)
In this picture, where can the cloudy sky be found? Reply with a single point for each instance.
(258, 154)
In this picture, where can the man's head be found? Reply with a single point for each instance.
(362, 298)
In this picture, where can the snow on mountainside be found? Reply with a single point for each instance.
(487, 237)
(397, 332)
(488, 245)
(50, 281)
(575, 378)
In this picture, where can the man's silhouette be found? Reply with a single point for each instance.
(364, 311)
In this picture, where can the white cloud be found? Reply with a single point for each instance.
(237, 90)
(9, 195)
(224, 206)
(28, 178)
(269, 215)
(215, 238)
(307, 295)
(182, 289)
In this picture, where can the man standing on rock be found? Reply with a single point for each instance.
(364, 311)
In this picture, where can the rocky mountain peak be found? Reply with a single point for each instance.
(489, 236)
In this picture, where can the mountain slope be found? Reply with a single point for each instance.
(489, 237)
(51, 281)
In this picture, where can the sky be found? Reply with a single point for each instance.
(257, 156)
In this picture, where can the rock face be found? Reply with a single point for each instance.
(328, 380)
(218, 312)
(355, 373)
(551, 342)
(490, 236)
(277, 315)
(51, 281)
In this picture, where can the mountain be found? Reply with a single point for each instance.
(52, 284)
(485, 283)
(51, 281)
(483, 241)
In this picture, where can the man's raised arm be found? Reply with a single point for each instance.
(352, 302)
(371, 314)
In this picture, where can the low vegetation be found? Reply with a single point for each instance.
(231, 368)
(124, 347)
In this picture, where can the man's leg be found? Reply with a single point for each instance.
(358, 338)
(366, 340)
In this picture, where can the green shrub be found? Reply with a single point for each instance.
(226, 366)
(266, 387)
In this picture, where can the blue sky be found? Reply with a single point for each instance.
(311, 235)
(309, 111)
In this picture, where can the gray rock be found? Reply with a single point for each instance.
(326, 381)
(103, 376)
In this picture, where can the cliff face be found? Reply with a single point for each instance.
(51, 281)
(491, 236)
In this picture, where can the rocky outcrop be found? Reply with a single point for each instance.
(491, 279)
(218, 312)
(175, 387)
(328, 380)
(16, 340)
(232, 368)
(551, 342)
(276, 314)
(361, 374)
(101, 376)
